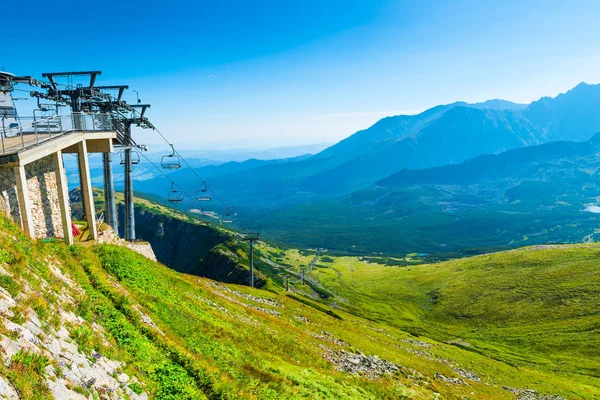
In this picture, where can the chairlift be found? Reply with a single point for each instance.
(201, 194)
(170, 161)
(44, 111)
(227, 219)
(175, 196)
(135, 157)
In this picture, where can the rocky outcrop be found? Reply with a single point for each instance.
(530, 394)
(108, 236)
(68, 369)
(176, 243)
(360, 364)
(222, 264)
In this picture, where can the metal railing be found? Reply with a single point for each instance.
(24, 136)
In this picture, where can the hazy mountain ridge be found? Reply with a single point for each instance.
(531, 195)
(445, 134)
(502, 165)
(454, 133)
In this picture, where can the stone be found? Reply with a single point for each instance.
(108, 236)
(451, 379)
(7, 391)
(360, 364)
(530, 394)
(463, 373)
(123, 378)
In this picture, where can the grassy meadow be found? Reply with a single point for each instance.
(534, 309)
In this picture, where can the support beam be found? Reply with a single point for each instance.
(63, 197)
(87, 196)
(24, 202)
(110, 208)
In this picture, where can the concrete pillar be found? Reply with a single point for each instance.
(63, 197)
(24, 201)
(87, 196)
(110, 209)
(128, 191)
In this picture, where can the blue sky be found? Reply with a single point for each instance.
(227, 74)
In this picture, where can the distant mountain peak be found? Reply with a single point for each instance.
(497, 104)
(583, 85)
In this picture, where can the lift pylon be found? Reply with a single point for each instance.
(251, 238)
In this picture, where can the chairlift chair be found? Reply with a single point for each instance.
(135, 157)
(227, 219)
(201, 194)
(170, 161)
(175, 196)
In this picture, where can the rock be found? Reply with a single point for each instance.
(123, 378)
(7, 391)
(463, 373)
(60, 390)
(531, 394)
(360, 364)
(300, 318)
(330, 338)
(452, 380)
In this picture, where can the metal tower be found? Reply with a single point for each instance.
(117, 116)
(251, 238)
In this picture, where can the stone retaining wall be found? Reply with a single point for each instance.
(9, 201)
(43, 195)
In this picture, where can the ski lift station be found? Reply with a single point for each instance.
(76, 116)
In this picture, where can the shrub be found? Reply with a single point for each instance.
(10, 285)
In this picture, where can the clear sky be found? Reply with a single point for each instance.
(256, 74)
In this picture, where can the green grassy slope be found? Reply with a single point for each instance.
(534, 308)
(185, 337)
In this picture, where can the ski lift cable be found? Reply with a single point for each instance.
(230, 215)
(173, 183)
(215, 195)
(166, 176)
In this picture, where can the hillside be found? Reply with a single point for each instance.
(183, 241)
(531, 306)
(125, 324)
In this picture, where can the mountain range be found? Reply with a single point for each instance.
(442, 135)
(452, 178)
(547, 193)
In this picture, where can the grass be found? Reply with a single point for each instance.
(415, 223)
(10, 285)
(315, 306)
(524, 319)
(531, 308)
(25, 372)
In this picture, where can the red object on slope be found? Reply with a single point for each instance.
(75, 230)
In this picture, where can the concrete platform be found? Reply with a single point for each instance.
(44, 145)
